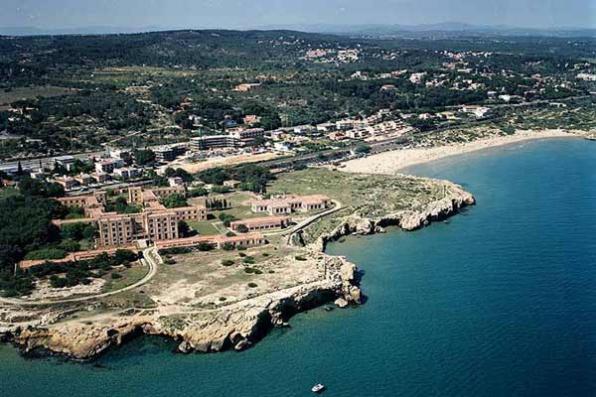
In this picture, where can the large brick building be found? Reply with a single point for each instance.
(155, 222)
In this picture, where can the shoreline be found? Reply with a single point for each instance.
(237, 326)
(400, 160)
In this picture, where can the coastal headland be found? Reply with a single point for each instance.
(220, 300)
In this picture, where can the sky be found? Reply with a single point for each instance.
(242, 14)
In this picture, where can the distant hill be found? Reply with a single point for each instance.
(440, 30)
(91, 30)
(426, 31)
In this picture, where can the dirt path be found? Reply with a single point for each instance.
(150, 257)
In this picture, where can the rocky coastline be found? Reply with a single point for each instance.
(235, 326)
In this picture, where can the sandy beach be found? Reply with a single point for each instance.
(397, 160)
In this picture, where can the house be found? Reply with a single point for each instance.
(65, 161)
(232, 183)
(108, 165)
(85, 179)
(101, 177)
(245, 87)
(128, 172)
(67, 182)
(251, 119)
(326, 127)
(175, 181)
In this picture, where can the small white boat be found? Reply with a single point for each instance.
(318, 388)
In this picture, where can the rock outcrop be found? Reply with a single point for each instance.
(455, 199)
(237, 326)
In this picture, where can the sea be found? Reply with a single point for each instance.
(499, 300)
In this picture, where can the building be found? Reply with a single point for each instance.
(248, 137)
(175, 181)
(289, 204)
(102, 177)
(208, 142)
(245, 87)
(67, 182)
(232, 183)
(155, 222)
(128, 172)
(85, 179)
(65, 161)
(303, 129)
(251, 119)
(244, 240)
(265, 223)
(108, 165)
(326, 127)
(164, 154)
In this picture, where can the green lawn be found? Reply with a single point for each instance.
(129, 276)
(204, 228)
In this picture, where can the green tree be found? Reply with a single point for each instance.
(175, 200)
(144, 157)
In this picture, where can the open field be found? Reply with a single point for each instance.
(21, 93)
(128, 276)
(367, 196)
(195, 167)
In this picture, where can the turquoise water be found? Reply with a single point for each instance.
(499, 301)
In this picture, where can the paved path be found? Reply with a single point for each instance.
(307, 222)
(150, 258)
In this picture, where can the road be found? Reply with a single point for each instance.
(150, 258)
(337, 206)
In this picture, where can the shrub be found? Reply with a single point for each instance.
(46, 253)
(204, 247)
(252, 285)
(116, 276)
(170, 261)
(242, 228)
(175, 251)
(228, 247)
(227, 262)
(241, 254)
(300, 258)
(249, 259)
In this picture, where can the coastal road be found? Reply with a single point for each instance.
(150, 258)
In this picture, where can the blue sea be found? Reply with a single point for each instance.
(497, 301)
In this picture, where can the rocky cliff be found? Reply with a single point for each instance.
(320, 279)
(236, 326)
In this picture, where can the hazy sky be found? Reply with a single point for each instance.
(51, 14)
